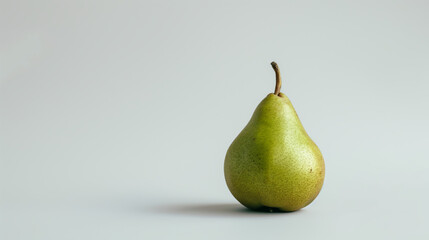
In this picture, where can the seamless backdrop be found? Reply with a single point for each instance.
(115, 116)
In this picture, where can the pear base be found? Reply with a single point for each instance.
(269, 209)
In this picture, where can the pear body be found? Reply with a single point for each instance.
(273, 165)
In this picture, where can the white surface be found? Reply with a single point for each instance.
(115, 116)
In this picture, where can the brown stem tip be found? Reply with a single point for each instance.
(278, 78)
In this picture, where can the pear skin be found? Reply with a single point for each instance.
(273, 165)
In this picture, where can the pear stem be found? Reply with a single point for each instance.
(278, 78)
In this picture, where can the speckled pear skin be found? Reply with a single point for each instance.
(273, 165)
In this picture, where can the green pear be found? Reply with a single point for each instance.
(273, 165)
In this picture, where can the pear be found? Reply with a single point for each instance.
(273, 165)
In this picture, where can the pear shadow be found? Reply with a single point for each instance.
(215, 209)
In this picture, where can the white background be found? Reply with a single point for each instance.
(115, 116)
